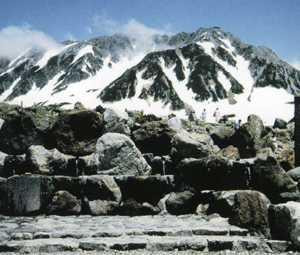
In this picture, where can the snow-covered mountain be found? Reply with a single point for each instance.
(207, 69)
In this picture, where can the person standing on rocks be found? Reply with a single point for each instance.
(203, 115)
(217, 115)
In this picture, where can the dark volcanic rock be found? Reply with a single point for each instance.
(154, 137)
(279, 123)
(18, 133)
(248, 138)
(76, 132)
(64, 203)
(221, 136)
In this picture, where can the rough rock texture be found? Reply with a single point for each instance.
(46, 162)
(244, 208)
(175, 124)
(248, 138)
(116, 122)
(76, 132)
(116, 154)
(25, 195)
(221, 136)
(101, 195)
(280, 123)
(285, 222)
(286, 159)
(211, 173)
(229, 152)
(183, 202)
(18, 133)
(191, 145)
(295, 174)
(154, 137)
(145, 188)
(64, 203)
(269, 178)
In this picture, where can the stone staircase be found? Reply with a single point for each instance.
(123, 233)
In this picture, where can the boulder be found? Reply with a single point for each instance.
(47, 162)
(2, 161)
(116, 122)
(286, 159)
(229, 152)
(191, 145)
(295, 174)
(175, 124)
(76, 132)
(1, 122)
(78, 106)
(280, 123)
(221, 136)
(154, 137)
(183, 202)
(14, 165)
(142, 189)
(211, 173)
(244, 208)
(116, 154)
(64, 203)
(285, 222)
(25, 195)
(18, 133)
(270, 178)
(161, 165)
(248, 138)
(101, 194)
(71, 184)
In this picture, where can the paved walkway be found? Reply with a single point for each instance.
(121, 233)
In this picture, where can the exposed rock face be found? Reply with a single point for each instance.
(18, 133)
(76, 132)
(286, 159)
(269, 178)
(148, 189)
(64, 203)
(183, 202)
(154, 137)
(116, 154)
(47, 162)
(175, 124)
(116, 122)
(211, 173)
(248, 138)
(245, 208)
(191, 145)
(280, 123)
(229, 152)
(25, 195)
(285, 222)
(221, 136)
(295, 174)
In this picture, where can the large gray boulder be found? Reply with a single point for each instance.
(25, 195)
(221, 136)
(101, 194)
(285, 222)
(116, 122)
(47, 162)
(175, 124)
(250, 137)
(269, 177)
(116, 154)
(244, 208)
(191, 145)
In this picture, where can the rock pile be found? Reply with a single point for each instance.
(111, 163)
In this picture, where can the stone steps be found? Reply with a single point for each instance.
(105, 233)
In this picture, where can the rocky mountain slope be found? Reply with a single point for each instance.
(205, 69)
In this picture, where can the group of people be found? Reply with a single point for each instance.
(216, 114)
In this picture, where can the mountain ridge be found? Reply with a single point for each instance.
(209, 65)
